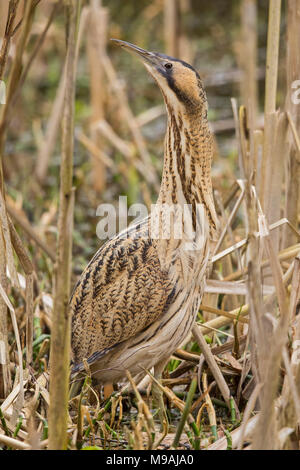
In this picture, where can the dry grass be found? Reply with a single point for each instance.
(235, 383)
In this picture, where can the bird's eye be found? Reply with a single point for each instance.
(168, 65)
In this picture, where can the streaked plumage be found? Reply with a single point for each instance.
(137, 299)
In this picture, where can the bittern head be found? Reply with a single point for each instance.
(179, 82)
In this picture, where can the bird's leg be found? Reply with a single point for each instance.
(157, 395)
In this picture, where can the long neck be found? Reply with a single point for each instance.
(186, 175)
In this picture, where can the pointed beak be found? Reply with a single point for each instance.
(147, 57)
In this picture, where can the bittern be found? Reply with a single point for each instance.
(137, 299)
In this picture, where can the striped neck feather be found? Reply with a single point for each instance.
(186, 175)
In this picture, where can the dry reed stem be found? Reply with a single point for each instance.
(29, 318)
(266, 351)
(288, 413)
(266, 436)
(18, 342)
(295, 289)
(95, 151)
(230, 236)
(231, 217)
(292, 385)
(7, 260)
(16, 71)
(9, 400)
(272, 55)
(171, 27)
(254, 280)
(208, 405)
(126, 148)
(38, 44)
(283, 255)
(248, 54)
(13, 82)
(4, 230)
(223, 313)
(191, 357)
(185, 413)
(217, 323)
(238, 139)
(129, 118)
(294, 132)
(186, 355)
(186, 49)
(144, 412)
(47, 147)
(52, 129)
(150, 114)
(278, 149)
(270, 99)
(14, 443)
(60, 341)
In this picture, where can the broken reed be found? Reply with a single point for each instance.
(270, 352)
